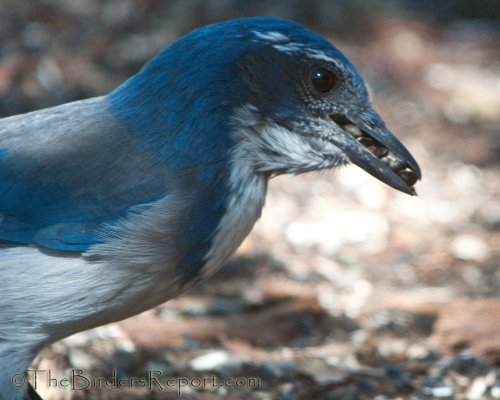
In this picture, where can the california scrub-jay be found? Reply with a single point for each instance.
(113, 205)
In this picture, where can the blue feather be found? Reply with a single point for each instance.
(49, 191)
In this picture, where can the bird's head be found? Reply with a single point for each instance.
(309, 109)
(294, 103)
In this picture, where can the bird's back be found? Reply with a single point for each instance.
(67, 170)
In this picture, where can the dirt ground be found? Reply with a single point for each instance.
(345, 289)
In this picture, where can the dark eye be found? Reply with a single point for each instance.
(323, 79)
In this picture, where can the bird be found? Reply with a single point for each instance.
(112, 205)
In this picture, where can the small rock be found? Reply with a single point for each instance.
(437, 388)
(81, 359)
(209, 362)
(479, 387)
(418, 352)
(495, 391)
(322, 373)
(470, 247)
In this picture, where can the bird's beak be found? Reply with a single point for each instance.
(372, 147)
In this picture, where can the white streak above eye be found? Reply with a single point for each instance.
(288, 48)
(272, 36)
(291, 48)
(319, 55)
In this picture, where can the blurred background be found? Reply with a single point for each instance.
(346, 289)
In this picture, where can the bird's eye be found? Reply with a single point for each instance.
(323, 80)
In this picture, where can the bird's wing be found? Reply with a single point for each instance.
(66, 171)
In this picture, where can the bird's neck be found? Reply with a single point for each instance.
(247, 191)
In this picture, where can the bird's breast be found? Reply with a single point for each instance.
(163, 248)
